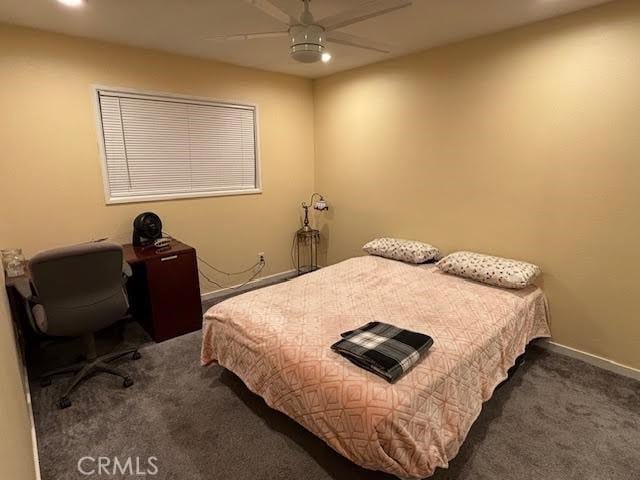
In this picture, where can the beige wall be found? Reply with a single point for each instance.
(52, 191)
(16, 451)
(523, 144)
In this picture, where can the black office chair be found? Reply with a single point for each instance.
(76, 291)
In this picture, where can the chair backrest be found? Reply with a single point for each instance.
(79, 288)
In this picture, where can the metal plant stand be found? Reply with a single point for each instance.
(307, 241)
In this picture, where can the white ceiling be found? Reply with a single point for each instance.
(182, 26)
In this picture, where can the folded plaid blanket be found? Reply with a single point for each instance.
(383, 349)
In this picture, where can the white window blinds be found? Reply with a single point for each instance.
(158, 147)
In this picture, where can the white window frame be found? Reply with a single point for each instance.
(153, 95)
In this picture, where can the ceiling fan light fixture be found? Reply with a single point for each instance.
(306, 53)
(307, 43)
(71, 3)
(308, 37)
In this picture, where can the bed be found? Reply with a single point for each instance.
(277, 341)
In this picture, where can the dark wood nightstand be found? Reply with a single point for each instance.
(164, 292)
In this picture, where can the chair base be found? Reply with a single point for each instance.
(86, 369)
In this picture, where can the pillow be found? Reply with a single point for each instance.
(403, 250)
(502, 272)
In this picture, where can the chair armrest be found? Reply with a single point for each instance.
(126, 270)
(23, 287)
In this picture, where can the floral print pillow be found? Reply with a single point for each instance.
(501, 272)
(404, 250)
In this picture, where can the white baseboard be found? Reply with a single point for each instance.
(34, 439)
(253, 284)
(591, 359)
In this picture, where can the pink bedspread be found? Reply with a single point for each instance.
(277, 341)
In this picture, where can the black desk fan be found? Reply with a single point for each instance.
(147, 228)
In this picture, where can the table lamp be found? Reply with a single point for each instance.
(320, 205)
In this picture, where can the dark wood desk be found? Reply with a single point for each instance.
(25, 337)
(164, 292)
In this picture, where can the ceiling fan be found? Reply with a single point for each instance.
(308, 37)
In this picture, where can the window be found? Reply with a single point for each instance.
(161, 147)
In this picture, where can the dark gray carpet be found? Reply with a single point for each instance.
(556, 418)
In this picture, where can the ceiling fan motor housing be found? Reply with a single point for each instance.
(307, 43)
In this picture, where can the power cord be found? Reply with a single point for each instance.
(230, 273)
(293, 248)
(213, 282)
(261, 264)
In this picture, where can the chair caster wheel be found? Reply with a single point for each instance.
(136, 355)
(127, 382)
(45, 382)
(64, 402)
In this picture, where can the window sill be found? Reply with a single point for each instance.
(180, 196)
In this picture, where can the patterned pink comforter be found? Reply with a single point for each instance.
(277, 341)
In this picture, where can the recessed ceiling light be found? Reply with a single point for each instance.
(71, 3)
(326, 56)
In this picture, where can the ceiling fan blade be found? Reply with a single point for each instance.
(354, 41)
(372, 8)
(293, 8)
(270, 9)
(249, 36)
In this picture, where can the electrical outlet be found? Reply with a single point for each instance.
(261, 257)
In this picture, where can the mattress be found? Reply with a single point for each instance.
(277, 341)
